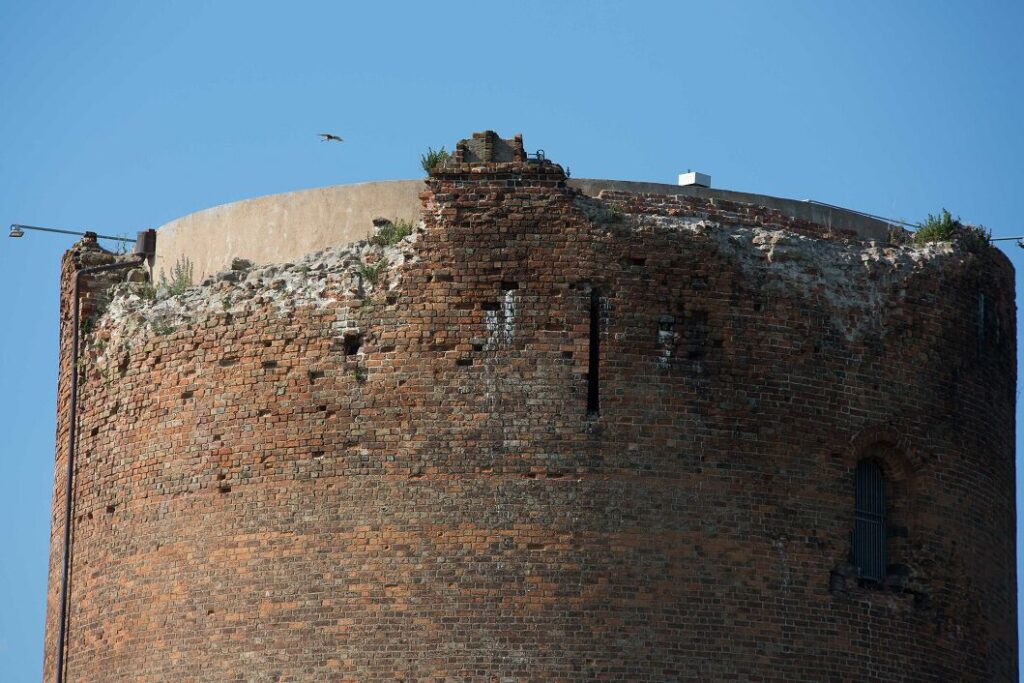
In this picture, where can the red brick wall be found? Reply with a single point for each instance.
(254, 504)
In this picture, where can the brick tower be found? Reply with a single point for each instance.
(562, 431)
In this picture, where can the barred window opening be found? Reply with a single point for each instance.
(869, 534)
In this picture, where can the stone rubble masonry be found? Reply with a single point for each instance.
(377, 463)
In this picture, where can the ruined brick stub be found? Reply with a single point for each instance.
(489, 147)
(390, 462)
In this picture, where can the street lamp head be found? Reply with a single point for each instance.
(16, 231)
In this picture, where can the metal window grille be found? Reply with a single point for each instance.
(869, 529)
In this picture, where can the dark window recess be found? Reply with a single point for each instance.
(869, 533)
(981, 320)
(697, 332)
(594, 363)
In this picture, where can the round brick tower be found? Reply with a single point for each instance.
(562, 432)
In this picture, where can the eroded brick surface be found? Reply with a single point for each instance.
(295, 474)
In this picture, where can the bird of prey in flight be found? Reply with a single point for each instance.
(327, 136)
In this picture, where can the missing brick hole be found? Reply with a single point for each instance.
(321, 408)
(353, 342)
(314, 375)
(508, 285)
(464, 362)
(490, 306)
(263, 412)
(267, 343)
(94, 431)
(227, 362)
(478, 347)
(268, 364)
(387, 349)
(318, 454)
(110, 509)
(187, 395)
(567, 355)
(224, 487)
(637, 261)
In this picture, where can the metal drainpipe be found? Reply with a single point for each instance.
(72, 419)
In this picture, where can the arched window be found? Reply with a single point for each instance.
(869, 537)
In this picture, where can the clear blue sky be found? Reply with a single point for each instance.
(117, 116)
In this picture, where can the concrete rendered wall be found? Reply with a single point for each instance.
(306, 473)
(284, 227)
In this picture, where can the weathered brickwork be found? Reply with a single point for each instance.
(331, 471)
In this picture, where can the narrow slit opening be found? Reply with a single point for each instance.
(594, 363)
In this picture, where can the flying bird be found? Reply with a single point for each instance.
(327, 136)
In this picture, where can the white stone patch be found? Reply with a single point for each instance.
(501, 324)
